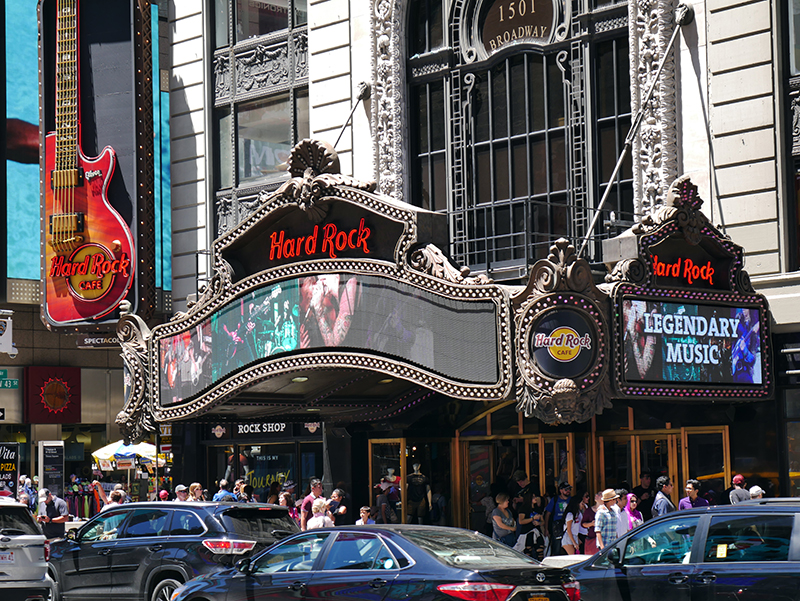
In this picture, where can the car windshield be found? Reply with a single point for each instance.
(258, 522)
(463, 549)
(17, 521)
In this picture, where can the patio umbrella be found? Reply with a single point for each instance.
(119, 450)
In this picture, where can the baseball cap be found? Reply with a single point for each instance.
(287, 485)
(163, 494)
(43, 493)
(755, 491)
(738, 479)
(565, 486)
(519, 475)
(181, 488)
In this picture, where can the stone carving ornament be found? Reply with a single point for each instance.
(387, 112)
(136, 418)
(654, 151)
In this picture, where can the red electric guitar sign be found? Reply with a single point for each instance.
(88, 248)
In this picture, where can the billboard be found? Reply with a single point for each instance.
(454, 338)
(667, 341)
(22, 140)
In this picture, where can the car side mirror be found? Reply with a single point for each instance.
(243, 565)
(614, 557)
(72, 534)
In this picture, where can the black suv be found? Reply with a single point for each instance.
(746, 551)
(144, 551)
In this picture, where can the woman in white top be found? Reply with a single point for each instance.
(320, 519)
(572, 523)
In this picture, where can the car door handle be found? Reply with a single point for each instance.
(378, 583)
(104, 551)
(297, 586)
(156, 547)
(706, 578)
(678, 578)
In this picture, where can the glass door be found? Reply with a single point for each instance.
(707, 459)
(615, 461)
(479, 466)
(387, 468)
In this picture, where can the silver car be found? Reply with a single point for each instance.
(23, 554)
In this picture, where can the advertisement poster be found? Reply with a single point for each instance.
(9, 468)
(51, 466)
(684, 342)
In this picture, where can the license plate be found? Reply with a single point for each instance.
(6, 557)
(539, 598)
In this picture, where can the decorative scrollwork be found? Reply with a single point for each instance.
(314, 166)
(136, 418)
(561, 270)
(743, 283)
(683, 206)
(628, 270)
(431, 260)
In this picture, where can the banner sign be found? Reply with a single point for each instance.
(686, 342)
(9, 467)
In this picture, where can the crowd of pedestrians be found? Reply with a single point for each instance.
(561, 523)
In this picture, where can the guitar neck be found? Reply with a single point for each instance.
(65, 174)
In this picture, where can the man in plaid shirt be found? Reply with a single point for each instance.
(606, 520)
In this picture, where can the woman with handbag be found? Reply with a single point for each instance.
(504, 526)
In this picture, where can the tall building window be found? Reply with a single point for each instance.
(261, 92)
(518, 145)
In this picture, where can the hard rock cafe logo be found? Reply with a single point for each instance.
(90, 270)
(218, 431)
(55, 395)
(312, 426)
(564, 344)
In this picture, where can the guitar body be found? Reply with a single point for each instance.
(89, 251)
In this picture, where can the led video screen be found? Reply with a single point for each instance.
(684, 342)
(453, 338)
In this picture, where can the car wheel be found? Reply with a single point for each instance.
(164, 589)
(55, 591)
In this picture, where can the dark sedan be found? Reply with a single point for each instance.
(385, 563)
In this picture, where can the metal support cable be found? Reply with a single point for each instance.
(364, 91)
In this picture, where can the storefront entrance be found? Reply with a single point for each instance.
(590, 460)
(702, 453)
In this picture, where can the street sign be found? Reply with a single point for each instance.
(3, 374)
(2, 414)
(9, 384)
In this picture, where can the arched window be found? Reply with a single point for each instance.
(517, 144)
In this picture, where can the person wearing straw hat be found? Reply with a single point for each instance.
(605, 526)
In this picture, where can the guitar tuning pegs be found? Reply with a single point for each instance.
(117, 245)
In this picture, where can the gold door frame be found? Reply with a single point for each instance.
(679, 473)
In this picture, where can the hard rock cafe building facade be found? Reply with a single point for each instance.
(336, 338)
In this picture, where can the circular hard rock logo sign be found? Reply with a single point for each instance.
(564, 343)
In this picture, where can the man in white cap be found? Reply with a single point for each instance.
(181, 493)
(756, 492)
